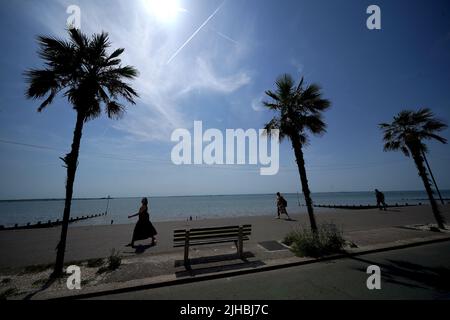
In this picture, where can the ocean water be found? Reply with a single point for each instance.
(182, 208)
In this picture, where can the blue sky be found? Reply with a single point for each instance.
(220, 77)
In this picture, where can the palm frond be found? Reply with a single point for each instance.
(409, 129)
(299, 109)
(85, 72)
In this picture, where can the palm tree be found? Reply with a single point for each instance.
(89, 78)
(407, 133)
(299, 111)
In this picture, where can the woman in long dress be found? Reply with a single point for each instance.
(144, 229)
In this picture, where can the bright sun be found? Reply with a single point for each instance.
(164, 10)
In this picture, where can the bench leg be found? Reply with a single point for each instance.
(186, 250)
(241, 243)
(186, 255)
(236, 244)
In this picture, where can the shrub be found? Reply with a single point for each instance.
(94, 263)
(327, 240)
(36, 269)
(114, 260)
(8, 293)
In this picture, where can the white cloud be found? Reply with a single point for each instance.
(299, 67)
(257, 104)
(149, 44)
(207, 78)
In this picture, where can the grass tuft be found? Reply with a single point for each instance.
(95, 263)
(8, 293)
(305, 243)
(114, 262)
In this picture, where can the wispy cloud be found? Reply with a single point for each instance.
(299, 67)
(162, 87)
(257, 104)
(207, 78)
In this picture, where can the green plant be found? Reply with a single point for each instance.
(40, 282)
(327, 240)
(408, 133)
(36, 268)
(95, 263)
(299, 112)
(8, 293)
(114, 262)
(81, 70)
(290, 238)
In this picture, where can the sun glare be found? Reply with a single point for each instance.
(164, 10)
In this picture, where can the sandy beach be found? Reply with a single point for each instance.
(36, 247)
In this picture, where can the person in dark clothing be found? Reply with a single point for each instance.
(380, 200)
(144, 229)
(281, 206)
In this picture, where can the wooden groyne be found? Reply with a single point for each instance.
(364, 207)
(50, 224)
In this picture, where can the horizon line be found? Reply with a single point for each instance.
(195, 195)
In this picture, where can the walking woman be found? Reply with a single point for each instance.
(144, 229)
(281, 206)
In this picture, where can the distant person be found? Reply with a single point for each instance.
(144, 229)
(380, 200)
(281, 206)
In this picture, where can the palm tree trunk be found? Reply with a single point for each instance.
(418, 159)
(432, 177)
(71, 161)
(297, 146)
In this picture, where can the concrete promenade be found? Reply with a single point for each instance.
(36, 247)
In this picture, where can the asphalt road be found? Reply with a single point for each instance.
(414, 273)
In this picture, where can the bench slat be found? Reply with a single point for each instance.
(247, 226)
(199, 243)
(198, 232)
(213, 236)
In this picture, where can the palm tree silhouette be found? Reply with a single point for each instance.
(299, 110)
(89, 78)
(407, 133)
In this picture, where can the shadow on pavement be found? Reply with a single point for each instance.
(215, 264)
(47, 285)
(413, 275)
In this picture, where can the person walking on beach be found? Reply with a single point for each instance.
(380, 200)
(281, 206)
(144, 229)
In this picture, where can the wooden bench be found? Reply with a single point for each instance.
(205, 236)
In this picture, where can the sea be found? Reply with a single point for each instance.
(22, 212)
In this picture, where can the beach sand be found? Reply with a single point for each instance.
(22, 248)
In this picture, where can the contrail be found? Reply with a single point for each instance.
(225, 36)
(195, 33)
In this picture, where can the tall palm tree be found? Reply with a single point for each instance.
(84, 73)
(299, 110)
(407, 133)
